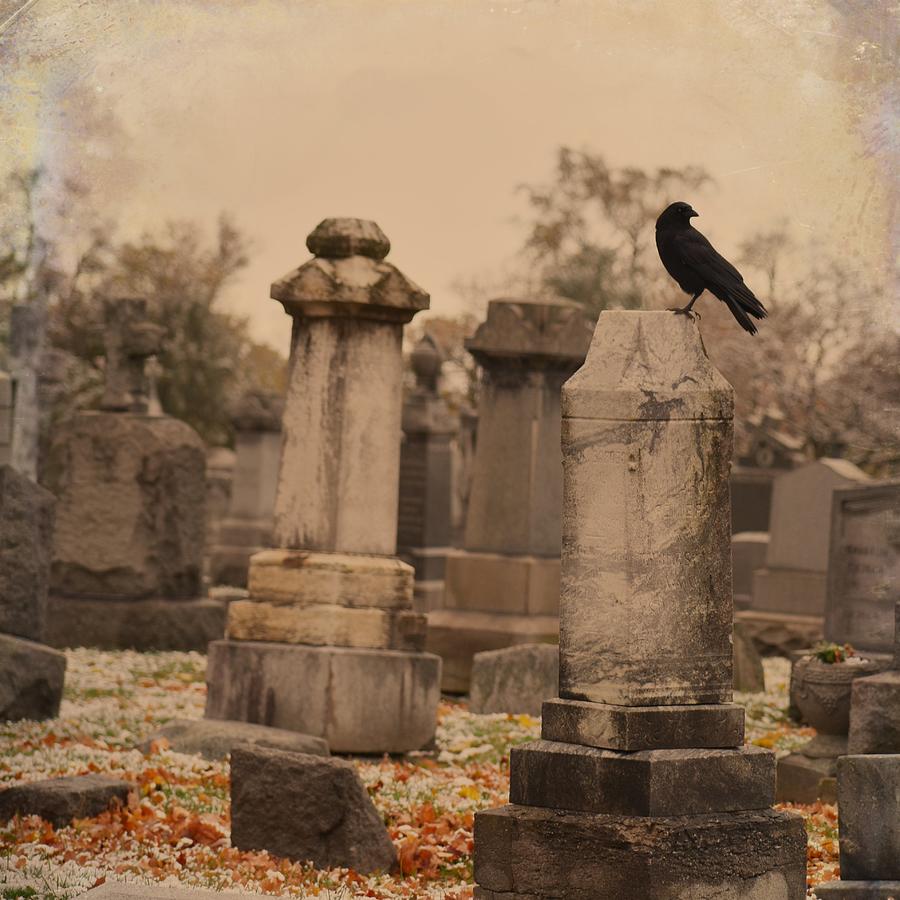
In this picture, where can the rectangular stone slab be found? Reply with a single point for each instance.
(647, 783)
(337, 626)
(632, 728)
(542, 853)
(857, 890)
(59, 800)
(304, 578)
(869, 805)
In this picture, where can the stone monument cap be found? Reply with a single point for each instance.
(426, 361)
(342, 237)
(647, 366)
(348, 277)
(550, 327)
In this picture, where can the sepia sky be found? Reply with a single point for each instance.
(425, 114)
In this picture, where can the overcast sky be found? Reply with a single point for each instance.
(424, 115)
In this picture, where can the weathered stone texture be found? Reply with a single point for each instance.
(864, 566)
(26, 546)
(869, 810)
(307, 809)
(135, 624)
(858, 890)
(515, 679)
(215, 738)
(321, 625)
(748, 553)
(305, 578)
(31, 680)
(646, 448)
(60, 800)
(360, 701)
(130, 510)
(632, 728)
(112, 890)
(543, 853)
(647, 783)
(875, 714)
(749, 675)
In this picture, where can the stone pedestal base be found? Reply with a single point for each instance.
(780, 634)
(360, 701)
(237, 541)
(495, 582)
(875, 714)
(135, 624)
(526, 853)
(858, 890)
(457, 635)
(793, 591)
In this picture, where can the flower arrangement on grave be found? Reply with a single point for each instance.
(829, 652)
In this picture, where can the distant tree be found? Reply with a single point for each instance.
(207, 356)
(590, 237)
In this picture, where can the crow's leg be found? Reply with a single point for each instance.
(686, 310)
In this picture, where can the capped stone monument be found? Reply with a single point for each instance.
(424, 522)
(328, 643)
(130, 488)
(641, 787)
(248, 527)
(502, 588)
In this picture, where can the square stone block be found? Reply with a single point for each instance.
(304, 578)
(457, 635)
(360, 701)
(646, 783)
(135, 624)
(875, 714)
(525, 852)
(869, 810)
(803, 779)
(792, 591)
(338, 626)
(494, 582)
(631, 728)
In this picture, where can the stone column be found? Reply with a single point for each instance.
(641, 786)
(130, 488)
(327, 642)
(503, 587)
(426, 478)
(248, 526)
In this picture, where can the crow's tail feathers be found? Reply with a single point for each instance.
(743, 303)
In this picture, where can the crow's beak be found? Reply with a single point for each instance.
(692, 213)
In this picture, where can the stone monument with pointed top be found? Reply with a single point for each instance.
(641, 787)
(328, 643)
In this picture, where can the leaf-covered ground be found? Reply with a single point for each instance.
(175, 828)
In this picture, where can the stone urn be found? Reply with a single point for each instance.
(821, 691)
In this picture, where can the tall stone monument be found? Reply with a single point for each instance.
(6, 417)
(503, 587)
(248, 526)
(130, 512)
(327, 642)
(641, 787)
(424, 519)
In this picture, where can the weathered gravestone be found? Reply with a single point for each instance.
(748, 553)
(875, 706)
(60, 800)
(864, 567)
(426, 484)
(503, 587)
(869, 821)
(220, 463)
(308, 809)
(130, 493)
(640, 788)
(31, 679)
(248, 526)
(327, 642)
(26, 544)
(515, 679)
(788, 604)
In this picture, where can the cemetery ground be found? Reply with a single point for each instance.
(175, 827)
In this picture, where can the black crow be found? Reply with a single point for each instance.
(694, 263)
